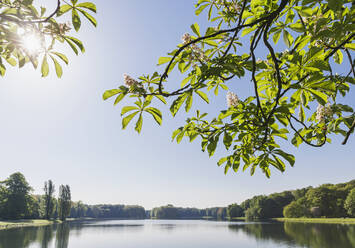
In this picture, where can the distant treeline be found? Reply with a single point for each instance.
(171, 212)
(80, 210)
(327, 200)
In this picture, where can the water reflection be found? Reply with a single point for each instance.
(264, 234)
(302, 234)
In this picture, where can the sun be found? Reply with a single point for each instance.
(30, 41)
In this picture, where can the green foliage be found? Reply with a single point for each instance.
(296, 209)
(80, 210)
(30, 35)
(286, 82)
(64, 202)
(327, 200)
(16, 197)
(48, 199)
(234, 210)
(350, 203)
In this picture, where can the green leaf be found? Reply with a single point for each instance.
(227, 140)
(320, 97)
(76, 20)
(61, 56)
(280, 165)
(298, 27)
(119, 98)
(161, 98)
(288, 39)
(175, 106)
(127, 119)
(276, 36)
(63, 9)
(196, 29)
(127, 109)
(11, 61)
(222, 161)
(338, 57)
(45, 67)
(335, 4)
(58, 67)
(87, 5)
(188, 103)
(289, 157)
(139, 124)
(89, 17)
(302, 114)
(211, 148)
(109, 93)
(350, 46)
(155, 113)
(77, 42)
(175, 133)
(2, 69)
(226, 168)
(163, 60)
(203, 95)
(200, 9)
(73, 47)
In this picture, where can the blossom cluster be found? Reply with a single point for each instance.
(232, 99)
(131, 82)
(323, 112)
(236, 7)
(64, 28)
(196, 51)
(186, 38)
(317, 27)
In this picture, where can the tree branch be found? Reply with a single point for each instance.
(348, 133)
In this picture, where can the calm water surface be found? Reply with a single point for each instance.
(180, 233)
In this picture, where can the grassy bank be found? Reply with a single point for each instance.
(237, 219)
(318, 220)
(24, 223)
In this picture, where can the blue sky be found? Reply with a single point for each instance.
(61, 129)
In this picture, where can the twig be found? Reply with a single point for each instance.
(348, 133)
(304, 140)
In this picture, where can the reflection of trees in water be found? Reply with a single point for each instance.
(62, 236)
(274, 232)
(24, 237)
(303, 234)
(45, 236)
(321, 235)
(19, 237)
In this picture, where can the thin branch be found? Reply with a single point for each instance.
(34, 21)
(271, 16)
(304, 140)
(350, 61)
(348, 133)
(237, 31)
(304, 125)
(253, 45)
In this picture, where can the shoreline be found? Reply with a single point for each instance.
(350, 221)
(11, 224)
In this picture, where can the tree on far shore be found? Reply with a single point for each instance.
(49, 189)
(64, 202)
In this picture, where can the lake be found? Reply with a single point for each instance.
(180, 233)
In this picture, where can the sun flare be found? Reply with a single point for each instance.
(31, 42)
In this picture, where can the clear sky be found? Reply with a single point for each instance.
(61, 129)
